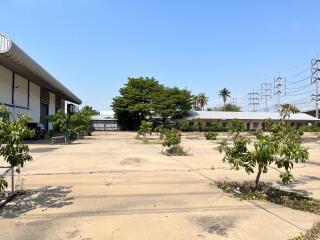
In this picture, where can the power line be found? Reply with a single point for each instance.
(266, 93)
(299, 73)
(298, 81)
(279, 88)
(315, 71)
(253, 98)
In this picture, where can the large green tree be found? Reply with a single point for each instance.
(144, 98)
(89, 111)
(134, 103)
(171, 103)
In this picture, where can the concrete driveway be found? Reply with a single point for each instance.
(110, 186)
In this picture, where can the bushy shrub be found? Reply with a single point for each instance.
(214, 126)
(235, 125)
(172, 140)
(311, 128)
(184, 126)
(72, 126)
(145, 128)
(211, 135)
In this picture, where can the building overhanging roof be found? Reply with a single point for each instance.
(15, 59)
(216, 115)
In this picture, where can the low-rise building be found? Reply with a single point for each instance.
(251, 120)
(27, 88)
(105, 121)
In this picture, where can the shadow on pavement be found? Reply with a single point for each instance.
(304, 179)
(45, 197)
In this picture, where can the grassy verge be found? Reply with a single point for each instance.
(310, 234)
(266, 192)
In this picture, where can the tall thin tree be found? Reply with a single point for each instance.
(224, 93)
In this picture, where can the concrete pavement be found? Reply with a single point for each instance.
(111, 186)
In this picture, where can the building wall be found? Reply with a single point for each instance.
(34, 107)
(20, 91)
(5, 85)
(52, 106)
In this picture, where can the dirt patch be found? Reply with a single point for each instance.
(131, 161)
(216, 225)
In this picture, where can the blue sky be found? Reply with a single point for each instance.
(92, 46)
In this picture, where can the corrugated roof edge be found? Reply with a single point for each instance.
(14, 58)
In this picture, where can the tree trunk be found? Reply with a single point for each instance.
(258, 176)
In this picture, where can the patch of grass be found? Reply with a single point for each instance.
(265, 192)
(310, 234)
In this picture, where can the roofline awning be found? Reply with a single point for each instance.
(15, 59)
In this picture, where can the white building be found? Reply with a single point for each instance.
(105, 121)
(25, 87)
(251, 120)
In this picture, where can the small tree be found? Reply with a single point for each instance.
(145, 128)
(61, 123)
(11, 135)
(172, 140)
(281, 146)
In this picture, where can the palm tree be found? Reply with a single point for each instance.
(224, 93)
(196, 102)
(202, 100)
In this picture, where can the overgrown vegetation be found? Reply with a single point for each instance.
(211, 135)
(310, 234)
(200, 125)
(72, 126)
(311, 128)
(226, 108)
(11, 135)
(265, 192)
(280, 146)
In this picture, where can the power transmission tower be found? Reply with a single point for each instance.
(253, 98)
(279, 88)
(266, 93)
(234, 101)
(315, 79)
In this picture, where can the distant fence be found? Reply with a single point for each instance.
(105, 125)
